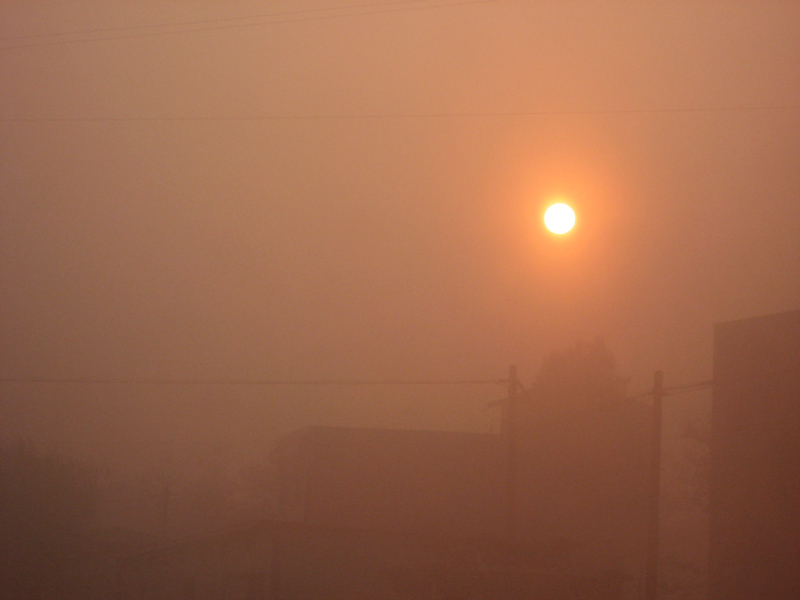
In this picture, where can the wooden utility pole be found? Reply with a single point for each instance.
(165, 512)
(651, 574)
(511, 455)
(276, 561)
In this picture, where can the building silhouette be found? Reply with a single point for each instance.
(755, 478)
(366, 513)
(404, 481)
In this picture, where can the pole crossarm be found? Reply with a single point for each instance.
(678, 389)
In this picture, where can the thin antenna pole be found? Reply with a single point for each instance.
(651, 575)
(511, 456)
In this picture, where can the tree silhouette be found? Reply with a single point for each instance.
(584, 457)
(46, 502)
(584, 375)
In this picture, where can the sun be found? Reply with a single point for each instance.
(559, 218)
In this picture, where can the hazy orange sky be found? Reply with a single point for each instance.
(358, 193)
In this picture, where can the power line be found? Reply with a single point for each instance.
(253, 382)
(420, 115)
(208, 25)
(689, 387)
(678, 389)
(205, 21)
(707, 384)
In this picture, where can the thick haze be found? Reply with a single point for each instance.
(361, 197)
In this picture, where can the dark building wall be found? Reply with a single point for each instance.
(579, 496)
(280, 561)
(755, 493)
(418, 482)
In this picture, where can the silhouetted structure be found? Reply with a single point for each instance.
(283, 561)
(415, 482)
(755, 493)
(369, 513)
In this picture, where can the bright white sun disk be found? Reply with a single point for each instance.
(559, 218)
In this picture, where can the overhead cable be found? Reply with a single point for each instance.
(419, 115)
(209, 25)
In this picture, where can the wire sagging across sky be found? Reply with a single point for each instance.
(276, 18)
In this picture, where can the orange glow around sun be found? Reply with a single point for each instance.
(559, 218)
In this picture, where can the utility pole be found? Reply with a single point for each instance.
(165, 512)
(651, 575)
(276, 561)
(511, 455)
